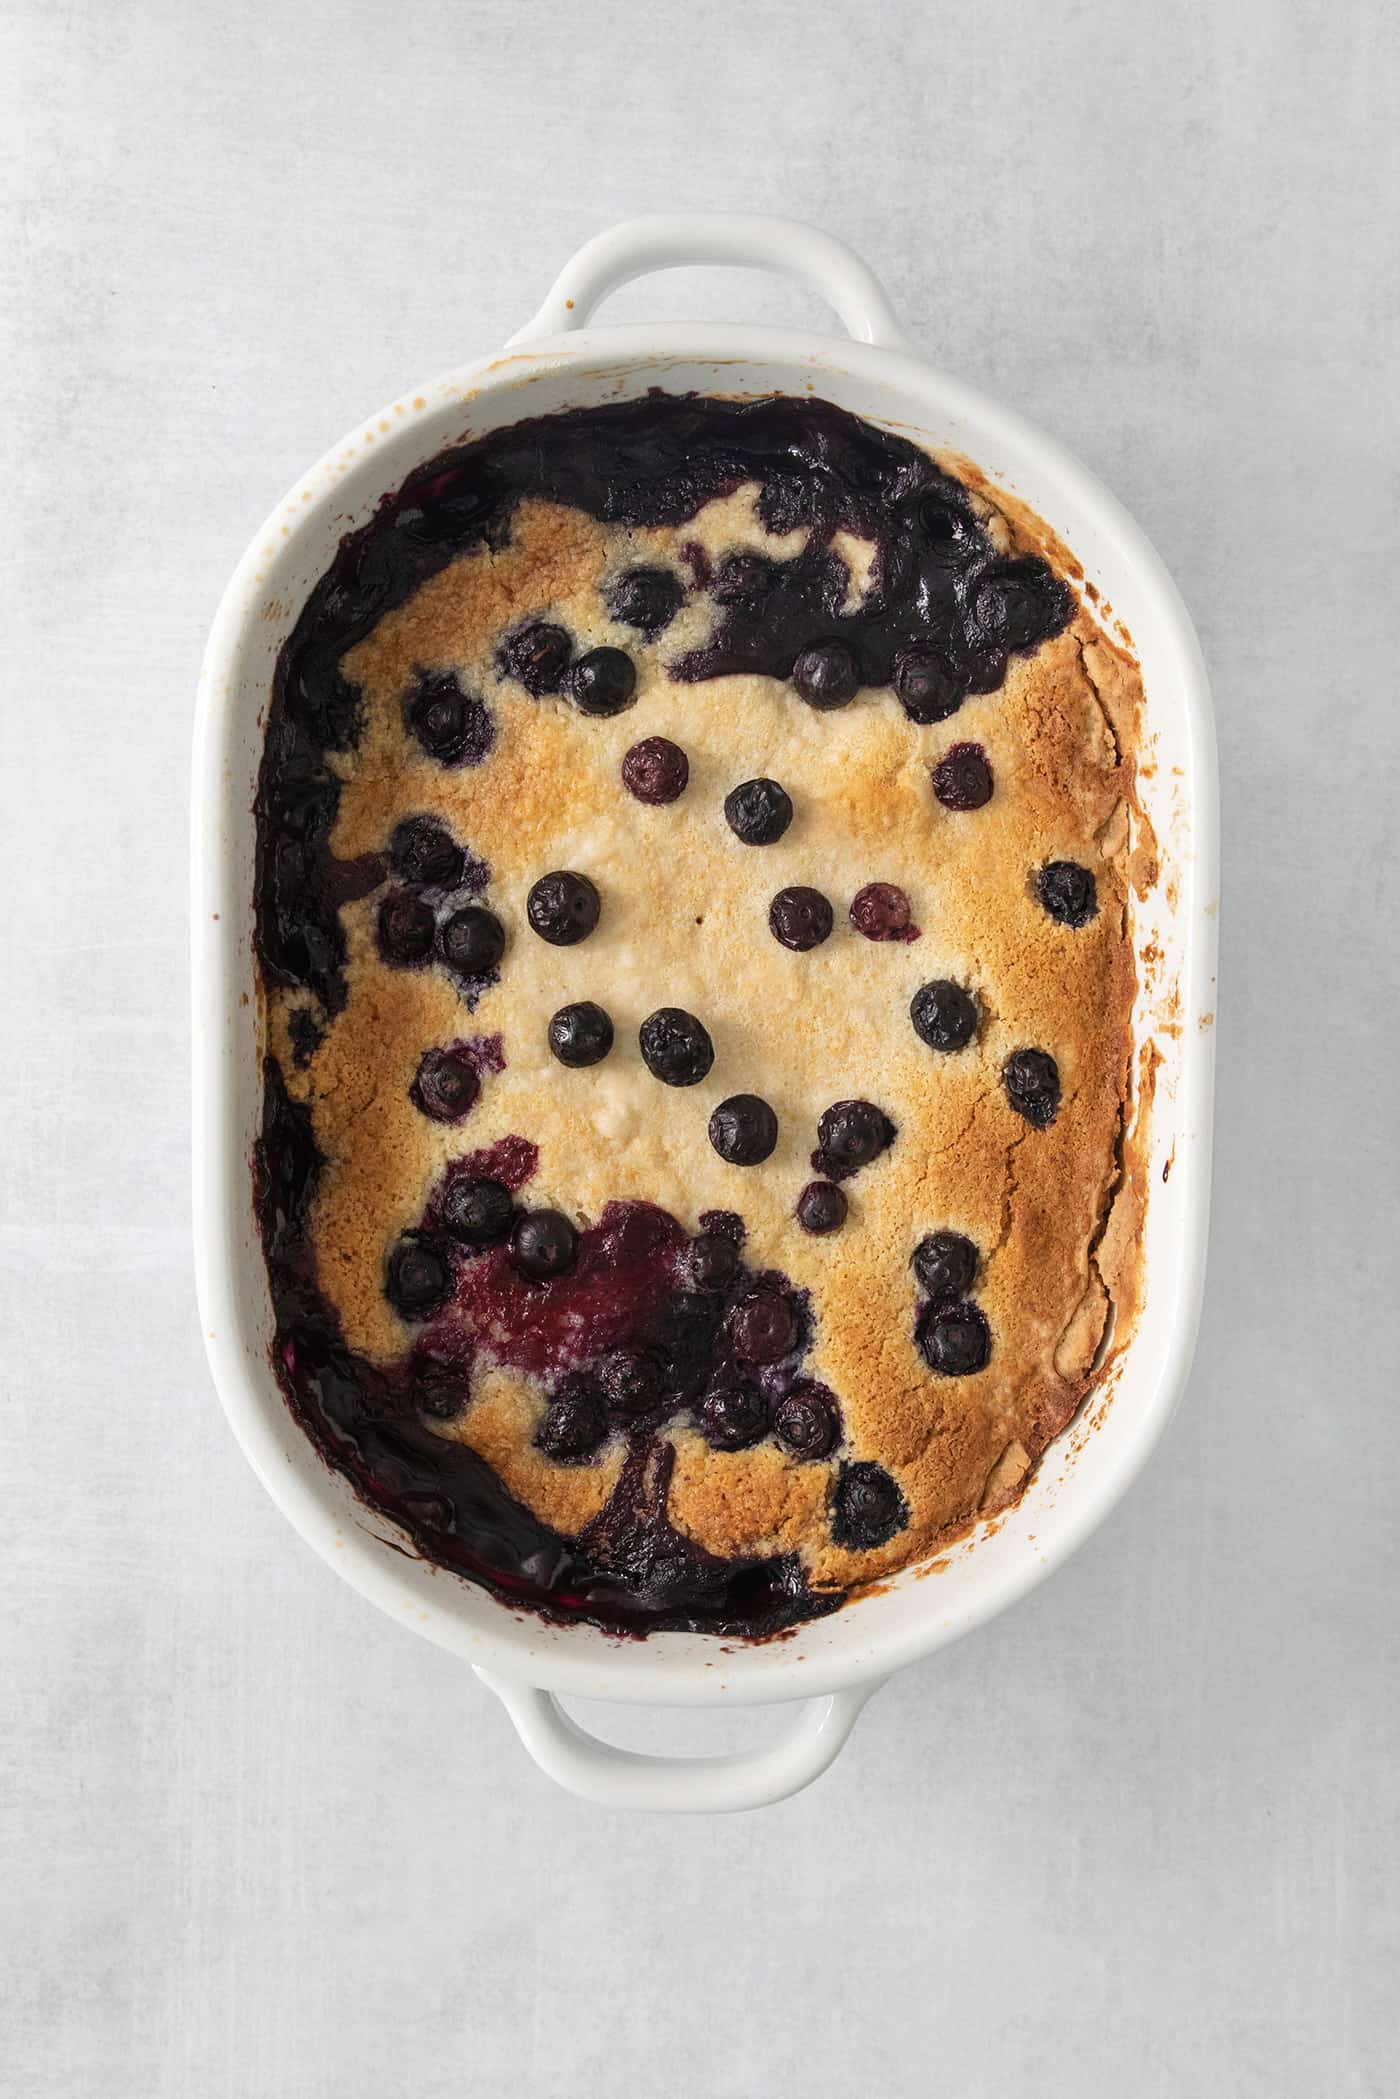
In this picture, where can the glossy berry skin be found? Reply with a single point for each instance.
(944, 1015)
(544, 1244)
(563, 908)
(447, 723)
(537, 656)
(763, 1327)
(732, 1416)
(743, 581)
(712, 1260)
(821, 1207)
(945, 1264)
(645, 598)
(867, 1507)
(758, 812)
(849, 1135)
(423, 852)
(926, 683)
(806, 1422)
(800, 918)
(446, 1085)
(580, 1035)
(575, 1423)
(406, 928)
(881, 912)
(1032, 1081)
(963, 779)
(1018, 604)
(676, 1047)
(743, 1130)
(1068, 893)
(603, 682)
(827, 675)
(629, 1380)
(656, 771)
(418, 1278)
(479, 1212)
(473, 940)
(954, 1338)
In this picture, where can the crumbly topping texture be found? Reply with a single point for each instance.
(548, 1432)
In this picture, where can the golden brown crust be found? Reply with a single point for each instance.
(1056, 1212)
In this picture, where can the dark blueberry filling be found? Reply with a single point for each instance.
(563, 908)
(758, 812)
(603, 682)
(713, 1260)
(743, 1130)
(800, 918)
(581, 1035)
(656, 771)
(1032, 1081)
(676, 1047)
(423, 852)
(1068, 892)
(446, 1085)
(822, 1207)
(954, 1338)
(630, 1380)
(473, 940)
(1019, 604)
(881, 912)
(867, 1507)
(743, 581)
(575, 1423)
(645, 598)
(945, 1264)
(537, 656)
(963, 780)
(944, 1015)
(849, 1135)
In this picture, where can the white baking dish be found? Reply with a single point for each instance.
(834, 1664)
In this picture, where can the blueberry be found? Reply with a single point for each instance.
(827, 675)
(537, 656)
(946, 1265)
(743, 1129)
(423, 851)
(630, 1380)
(732, 1417)
(418, 1278)
(1018, 604)
(758, 812)
(712, 1260)
(452, 726)
(944, 1015)
(645, 598)
(477, 1210)
(983, 666)
(800, 918)
(849, 1135)
(1068, 892)
(763, 1326)
(821, 1207)
(563, 908)
(881, 912)
(676, 1047)
(742, 581)
(473, 940)
(406, 929)
(726, 1224)
(963, 779)
(440, 1390)
(580, 1035)
(954, 1338)
(1032, 1081)
(928, 686)
(867, 1507)
(446, 1085)
(544, 1244)
(656, 770)
(806, 1421)
(603, 682)
(575, 1422)
(945, 528)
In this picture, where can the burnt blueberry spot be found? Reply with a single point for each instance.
(806, 1422)
(563, 908)
(476, 1210)
(928, 687)
(821, 1207)
(827, 675)
(645, 598)
(743, 1129)
(603, 682)
(575, 1423)
(758, 812)
(423, 852)
(849, 1135)
(963, 779)
(450, 725)
(712, 1260)
(676, 1047)
(418, 1278)
(881, 912)
(944, 1015)
(544, 1244)
(580, 1035)
(473, 940)
(743, 581)
(630, 1381)
(446, 1085)
(800, 918)
(406, 928)
(732, 1416)
(945, 1264)
(1032, 1081)
(1018, 604)
(867, 1507)
(1068, 892)
(763, 1326)
(656, 770)
(954, 1338)
(537, 657)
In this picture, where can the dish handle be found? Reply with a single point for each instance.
(668, 240)
(685, 1785)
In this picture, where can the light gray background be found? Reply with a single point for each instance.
(1139, 1837)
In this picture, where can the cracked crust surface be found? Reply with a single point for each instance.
(684, 922)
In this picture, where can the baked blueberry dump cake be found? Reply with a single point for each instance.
(695, 841)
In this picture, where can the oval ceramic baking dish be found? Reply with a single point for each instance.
(833, 1664)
